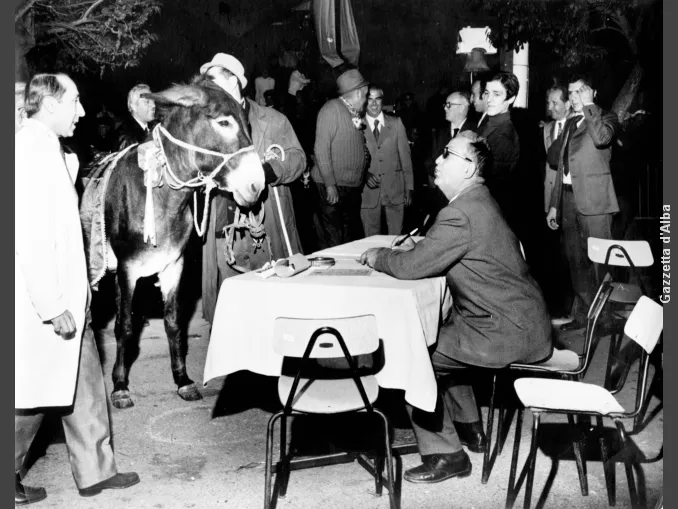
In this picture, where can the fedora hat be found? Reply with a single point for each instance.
(228, 62)
(350, 80)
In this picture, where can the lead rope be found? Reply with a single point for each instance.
(255, 224)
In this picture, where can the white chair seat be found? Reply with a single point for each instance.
(328, 396)
(561, 360)
(566, 395)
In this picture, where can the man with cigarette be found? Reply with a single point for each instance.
(499, 315)
(389, 183)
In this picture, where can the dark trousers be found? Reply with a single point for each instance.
(86, 424)
(554, 273)
(577, 228)
(339, 223)
(435, 431)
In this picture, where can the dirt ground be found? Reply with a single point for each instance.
(210, 454)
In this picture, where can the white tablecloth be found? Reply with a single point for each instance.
(408, 314)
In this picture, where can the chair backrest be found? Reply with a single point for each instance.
(621, 252)
(646, 323)
(292, 335)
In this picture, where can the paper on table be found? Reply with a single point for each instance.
(341, 272)
(357, 247)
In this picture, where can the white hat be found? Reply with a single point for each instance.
(228, 62)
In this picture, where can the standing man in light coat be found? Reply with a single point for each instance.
(389, 182)
(56, 360)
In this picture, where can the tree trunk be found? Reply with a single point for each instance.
(628, 92)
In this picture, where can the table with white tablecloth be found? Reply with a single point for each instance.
(408, 315)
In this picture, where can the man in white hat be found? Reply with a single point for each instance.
(268, 231)
(341, 161)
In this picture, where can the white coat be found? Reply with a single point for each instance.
(50, 272)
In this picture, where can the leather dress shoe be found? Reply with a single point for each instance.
(439, 467)
(117, 482)
(472, 435)
(24, 495)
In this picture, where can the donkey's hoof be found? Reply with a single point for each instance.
(189, 393)
(121, 399)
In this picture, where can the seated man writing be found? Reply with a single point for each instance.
(498, 316)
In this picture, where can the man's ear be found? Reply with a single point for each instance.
(49, 103)
(512, 99)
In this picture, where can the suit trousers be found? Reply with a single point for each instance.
(339, 223)
(371, 218)
(577, 228)
(86, 424)
(435, 431)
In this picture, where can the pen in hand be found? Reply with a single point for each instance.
(400, 241)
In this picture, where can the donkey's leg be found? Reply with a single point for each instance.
(124, 335)
(178, 341)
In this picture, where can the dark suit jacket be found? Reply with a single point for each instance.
(502, 177)
(130, 132)
(589, 162)
(390, 159)
(499, 315)
(440, 141)
(549, 173)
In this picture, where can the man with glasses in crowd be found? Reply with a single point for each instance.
(499, 315)
(456, 107)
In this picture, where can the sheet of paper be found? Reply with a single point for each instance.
(340, 272)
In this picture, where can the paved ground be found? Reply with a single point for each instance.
(209, 454)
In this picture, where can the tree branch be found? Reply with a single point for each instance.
(23, 9)
(91, 8)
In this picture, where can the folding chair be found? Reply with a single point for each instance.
(564, 363)
(620, 253)
(303, 395)
(548, 396)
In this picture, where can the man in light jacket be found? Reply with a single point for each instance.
(56, 360)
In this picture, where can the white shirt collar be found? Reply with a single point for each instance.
(452, 128)
(370, 120)
(143, 125)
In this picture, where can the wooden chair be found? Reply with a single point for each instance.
(308, 339)
(548, 396)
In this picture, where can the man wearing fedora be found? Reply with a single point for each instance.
(229, 248)
(341, 159)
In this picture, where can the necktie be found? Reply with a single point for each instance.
(572, 128)
(454, 133)
(376, 130)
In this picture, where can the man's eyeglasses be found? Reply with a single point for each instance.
(447, 151)
(449, 105)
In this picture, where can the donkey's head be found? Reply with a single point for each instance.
(204, 116)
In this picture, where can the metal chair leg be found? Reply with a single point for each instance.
(490, 421)
(284, 472)
(269, 459)
(628, 465)
(608, 468)
(578, 456)
(378, 471)
(392, 499)
(532, 460)
(511, 492)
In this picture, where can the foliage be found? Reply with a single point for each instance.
(91, 35)
(566, 27)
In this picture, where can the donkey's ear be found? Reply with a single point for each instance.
(179, 95)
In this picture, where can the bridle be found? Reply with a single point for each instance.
(200, 179)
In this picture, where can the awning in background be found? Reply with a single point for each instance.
(326, 28)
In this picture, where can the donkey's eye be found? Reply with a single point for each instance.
(224, 123)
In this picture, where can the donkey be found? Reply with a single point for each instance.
(203, 137)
